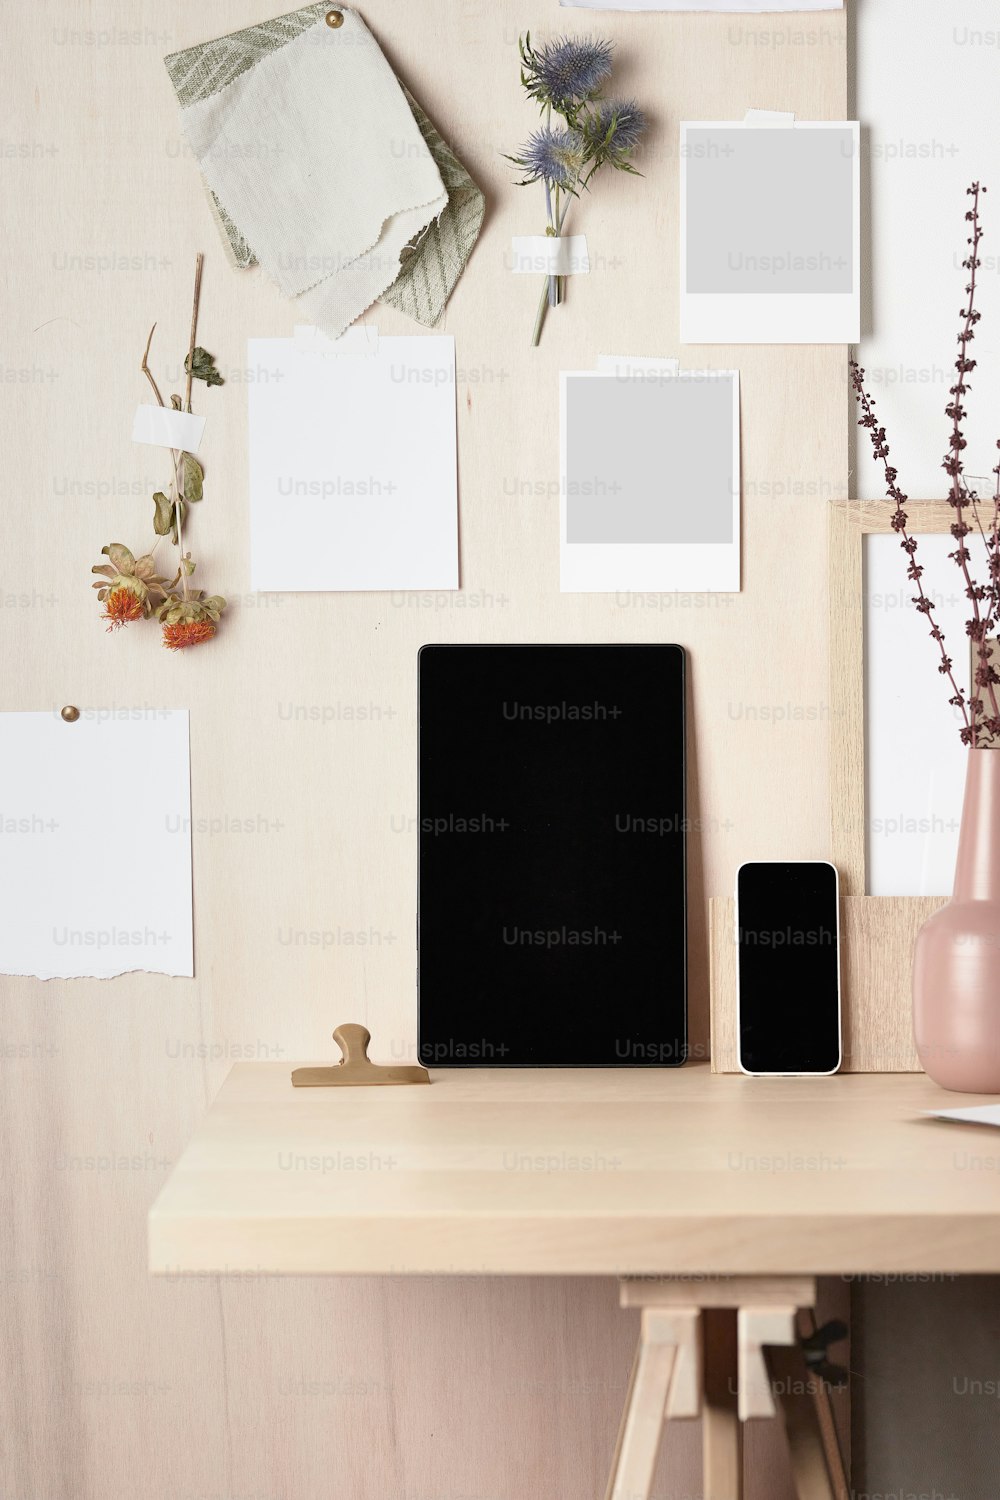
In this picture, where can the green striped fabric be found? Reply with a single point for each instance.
(432, 263)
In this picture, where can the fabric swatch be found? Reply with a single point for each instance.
(380, 206)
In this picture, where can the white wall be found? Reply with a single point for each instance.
(928, 73)
(927, 78)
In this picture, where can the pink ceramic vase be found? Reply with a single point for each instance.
(956, 963)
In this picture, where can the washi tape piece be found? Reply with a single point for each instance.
(627, 365)
(166, 428)
(774, 117)
(361, 340)
(550, 255)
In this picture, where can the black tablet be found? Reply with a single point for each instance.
(552, 923)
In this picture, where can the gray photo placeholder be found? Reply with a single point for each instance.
(770, 210)
(649, 458)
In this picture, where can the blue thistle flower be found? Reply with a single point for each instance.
(566, 71)
(553, 156)
(614, 128)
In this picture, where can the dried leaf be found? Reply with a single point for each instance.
(176, 403)
(201, 365)
(178, 512)
(187, 564)
(145, 568)
(105, 570)
(193, 474)
(163, 517)
(121, 557)
(214, 606)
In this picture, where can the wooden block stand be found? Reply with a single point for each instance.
(725, 1349)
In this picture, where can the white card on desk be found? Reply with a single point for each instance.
(977, 1114)
(770, 249)
(353, 469)
(650, 479)
(95, 843)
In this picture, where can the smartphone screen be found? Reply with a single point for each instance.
(788, 967)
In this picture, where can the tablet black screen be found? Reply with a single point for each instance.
(552, 924)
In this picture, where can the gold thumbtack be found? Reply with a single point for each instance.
(70, 714)
(335, 18)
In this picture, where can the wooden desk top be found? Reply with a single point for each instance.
(491, 1172)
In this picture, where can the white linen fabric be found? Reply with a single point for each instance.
(316, 157)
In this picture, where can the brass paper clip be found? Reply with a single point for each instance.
(355, 1070)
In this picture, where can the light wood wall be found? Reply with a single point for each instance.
(115, 1388)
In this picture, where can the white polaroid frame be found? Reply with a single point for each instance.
(648, 567)
(829, 1072)
(772, 317)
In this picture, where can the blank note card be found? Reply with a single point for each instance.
(353, 471)
(650, 480)
(770, 239)
(95, 843)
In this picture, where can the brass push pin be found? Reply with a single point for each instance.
(70, 714)
(354, 1069)
(335, 18)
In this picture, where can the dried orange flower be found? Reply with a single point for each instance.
(129, 587)
(187, 633)
(121, 607)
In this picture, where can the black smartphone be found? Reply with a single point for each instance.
(788, 968)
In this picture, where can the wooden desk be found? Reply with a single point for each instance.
(621, 1173)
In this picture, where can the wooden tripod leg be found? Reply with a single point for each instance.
(721, 1431)
(642, 1424)
(816, 1476)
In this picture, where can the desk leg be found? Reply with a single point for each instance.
(616, 1457)
(642, 1425)
(818, 1476)
(721, 1430)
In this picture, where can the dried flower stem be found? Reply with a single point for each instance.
(984, 598)
(174, 454)
(960, 497)
(199, 262)
(178, 483)
(914, 570)
(144, 367)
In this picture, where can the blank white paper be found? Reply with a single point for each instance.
(735, 6)
(650, 480)
(915, 761)
(353, 469)
(770, 248)
(975, 1114)
(95, 844)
